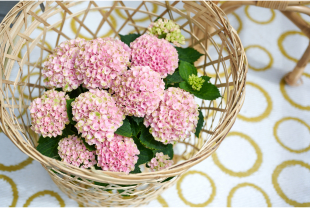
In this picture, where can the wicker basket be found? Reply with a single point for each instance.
(23, 35)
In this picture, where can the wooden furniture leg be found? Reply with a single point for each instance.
(292, 77)
(289, 10)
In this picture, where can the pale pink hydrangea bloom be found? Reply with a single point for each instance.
(158, 54)
(59, 70)
(117, 155)
(160, 162)
(175, 118)
(49, 113)
(73, 151)
(97, 115)
(138, 91)
(102, 60)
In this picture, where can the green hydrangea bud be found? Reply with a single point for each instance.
(195, 81)
(164, 28)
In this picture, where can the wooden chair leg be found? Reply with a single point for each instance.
(294, 76)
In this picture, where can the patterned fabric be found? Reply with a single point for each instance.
(265, 159)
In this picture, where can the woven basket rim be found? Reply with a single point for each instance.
(177, 169)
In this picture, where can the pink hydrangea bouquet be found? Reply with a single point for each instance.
(115, 105)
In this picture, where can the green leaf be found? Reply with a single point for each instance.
(189, 55)
(69, 111)
(171, 85)
(74, 130)
(135, 171)
(68, 131)
(41, 139)
(135, 124)
(84, 89)
(168, 179)
(129, 38)
(136, 129)
(138, 120)
(54, 172)
(185, 86)
(162, 36)
(148, 140)
(57, 89)
(75, 93)
(167, 151)
(208, 91)
(174, 78)
(206, 78)
(88, 147)
(157, 19)
(199, 124)
(186, 69)
(96, 166)
(48, 147)
(145, 154)
(125, 129)
(121, 190)
(103, 184)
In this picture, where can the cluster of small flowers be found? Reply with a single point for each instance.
(138, 91)
(94, 63)
(195, 81)
(100, 61)
(72, 150)
(118, 155)
(49, 113)
(175, 118)
(160, 162)
(59, 69)
(158, 54)
(167, 29)
(97, 116)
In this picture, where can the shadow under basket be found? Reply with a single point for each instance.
(31, 30)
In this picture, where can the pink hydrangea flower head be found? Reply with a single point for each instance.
(175, 118)
(73, 151)
(158, 54)
(59, 70)
(138, 91)
(49, 113)
(117, 155)
(97, 115)
(101, 60)
(160, 162)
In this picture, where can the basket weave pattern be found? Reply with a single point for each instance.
(17, 32)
